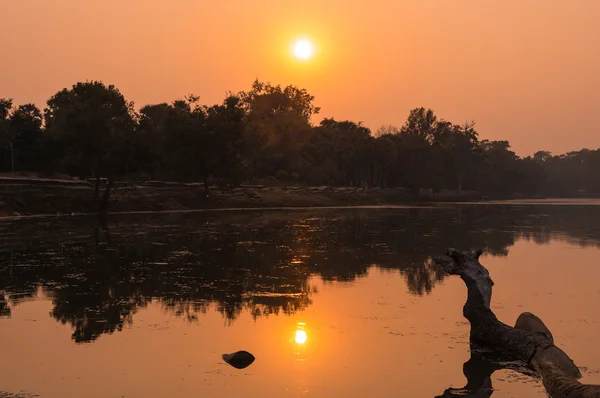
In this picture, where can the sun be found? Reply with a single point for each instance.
(303, 49)
(300, 337)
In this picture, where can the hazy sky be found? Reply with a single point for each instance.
(525, 70)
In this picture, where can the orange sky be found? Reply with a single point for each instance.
(524, 70)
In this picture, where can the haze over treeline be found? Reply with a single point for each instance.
(525, 70)
(91, 131)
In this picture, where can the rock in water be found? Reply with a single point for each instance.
(239, 360)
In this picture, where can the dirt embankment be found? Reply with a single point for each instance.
(25, 196)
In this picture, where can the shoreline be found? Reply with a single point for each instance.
(42, 198)
(221, 210)
(28, 197)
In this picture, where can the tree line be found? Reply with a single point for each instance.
(92, 131)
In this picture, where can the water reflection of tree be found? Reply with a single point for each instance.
(4, 308)
(98, 275)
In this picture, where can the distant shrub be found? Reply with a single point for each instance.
(282, 175)
(295, 176)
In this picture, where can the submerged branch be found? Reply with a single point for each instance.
(479, 369)
(529, 341)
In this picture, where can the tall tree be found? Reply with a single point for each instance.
(26, 126)
(422, 123)
(278, 125)
(226, 124)
(153, 130)
(339, 152)
(500, 168)
(90, 126)
(459, 146)
(385, 154)
(418, 133)
(7, 138)
(196, 142)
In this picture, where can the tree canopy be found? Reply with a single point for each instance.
(91, 131)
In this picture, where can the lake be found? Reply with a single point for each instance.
(333, 302)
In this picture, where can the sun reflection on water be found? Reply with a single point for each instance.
(301, 336)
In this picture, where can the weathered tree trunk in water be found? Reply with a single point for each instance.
(529, 341)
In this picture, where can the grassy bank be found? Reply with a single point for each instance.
(25, 196)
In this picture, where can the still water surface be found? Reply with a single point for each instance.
(333, 303)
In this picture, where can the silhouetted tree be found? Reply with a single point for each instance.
(226, 122)
(7, 137)
(421, 122)
(459, 153)
(338, 153)
(193, 142)
(278, 125)
(155, 122)
(502, 176)
(90, 126)
(20, 137)
(26, 126)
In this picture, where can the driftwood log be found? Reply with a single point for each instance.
(529, 340)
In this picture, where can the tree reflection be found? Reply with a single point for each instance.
(4, 308)
(98, 274)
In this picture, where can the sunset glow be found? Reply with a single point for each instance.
(190, 190)
(303, 49)
(525, 73)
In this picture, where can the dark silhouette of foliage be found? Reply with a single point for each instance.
(6, 135)
(90, 128)
(277, 126)
(192, 142)
(91, 131)
(338, 153)
(26, 125)
(20, 137)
